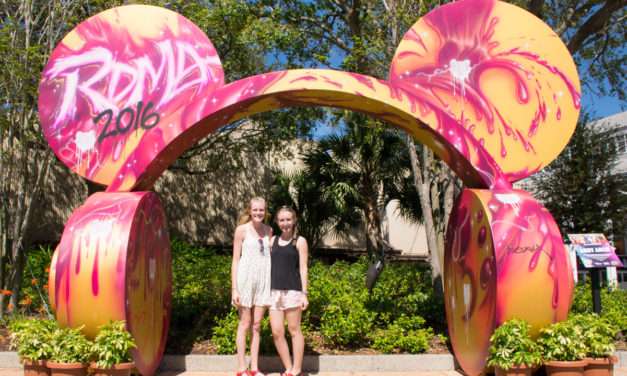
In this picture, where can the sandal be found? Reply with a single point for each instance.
(255, 373)
(242, 373)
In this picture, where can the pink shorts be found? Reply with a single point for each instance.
(282, 300)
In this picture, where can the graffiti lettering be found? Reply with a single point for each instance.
(127, 119)
(162, 73)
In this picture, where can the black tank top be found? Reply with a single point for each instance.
(285, 266)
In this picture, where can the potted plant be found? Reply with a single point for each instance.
(512, 351)
(71, 351)
(563, 349)
(112, 350)
(31, 339)
(599, 342)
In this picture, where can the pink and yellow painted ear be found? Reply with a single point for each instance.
(514, 88)
(113, 263)
(125, 71)
(504, 259)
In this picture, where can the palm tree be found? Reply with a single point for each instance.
(358, 173)
(316, 216)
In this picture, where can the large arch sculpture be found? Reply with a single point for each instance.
(487, 86)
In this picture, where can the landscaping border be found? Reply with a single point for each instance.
(312, 363)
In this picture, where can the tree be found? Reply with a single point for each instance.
(580, 189)
(359, 173)
(302, 194)
(30, 30)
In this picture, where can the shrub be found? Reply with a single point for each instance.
(613, 303)
(32, 337)
(341, 311)
(562, 341)
(406, 289)
(225, 332)
(34, 291)
(113, 345)
(511, 345)
(69, 346)
(598, 334)
(201, 294)
(406, 334)
(346, 322)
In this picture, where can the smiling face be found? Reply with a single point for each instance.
(286, 220)
(257, 210)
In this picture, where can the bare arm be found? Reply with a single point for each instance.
(303, 253)
(238, 238)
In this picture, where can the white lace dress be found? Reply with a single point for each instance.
(253, 271)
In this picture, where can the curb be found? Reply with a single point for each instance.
(316, 363)
(311, 363)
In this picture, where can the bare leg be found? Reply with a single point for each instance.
(277, 322)
(258, 313)
(298, 341)
(245, 318)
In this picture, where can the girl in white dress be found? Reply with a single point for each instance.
(250, 281)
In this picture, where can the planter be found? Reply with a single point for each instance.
(518, 370)
(122, 369)
(570, 368)
(35, 368)
(67, 369)
(600, 366)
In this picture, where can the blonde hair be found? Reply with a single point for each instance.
(294, 218)
(245, 217)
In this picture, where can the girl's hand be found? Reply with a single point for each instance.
(305, 303)
(235, 298)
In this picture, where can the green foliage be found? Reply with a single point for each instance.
(301, 193)
(587, 161)
(34, 294)
(341, 312)
(406, 334)
(511, 345)
(112, 345)
(338, 303)
(225, 331)
(201, 293)
(346, 322)
(562, 341)
(358, 173)
(598, 334)
(31, 337)
(69, 345)
(613, 303)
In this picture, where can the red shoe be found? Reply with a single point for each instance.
(242, 373)
(255, 373)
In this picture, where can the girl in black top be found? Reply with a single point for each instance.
(288, 290)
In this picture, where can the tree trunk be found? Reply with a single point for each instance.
(423, 183)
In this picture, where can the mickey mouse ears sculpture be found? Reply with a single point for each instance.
(130, 89)
(487, 86)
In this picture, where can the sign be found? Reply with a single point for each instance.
(594, 250)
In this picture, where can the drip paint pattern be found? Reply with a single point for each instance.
(114, 254)
(132, 88)
(505, 259)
